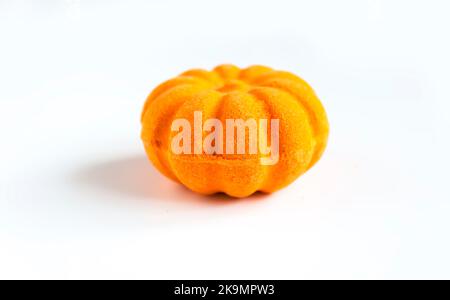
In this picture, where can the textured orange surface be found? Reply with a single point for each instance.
(228, 92)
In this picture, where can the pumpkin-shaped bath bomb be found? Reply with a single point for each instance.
(233, 130)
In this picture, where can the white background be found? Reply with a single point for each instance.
(79, 200)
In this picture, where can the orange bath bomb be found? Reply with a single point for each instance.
(208, 113)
